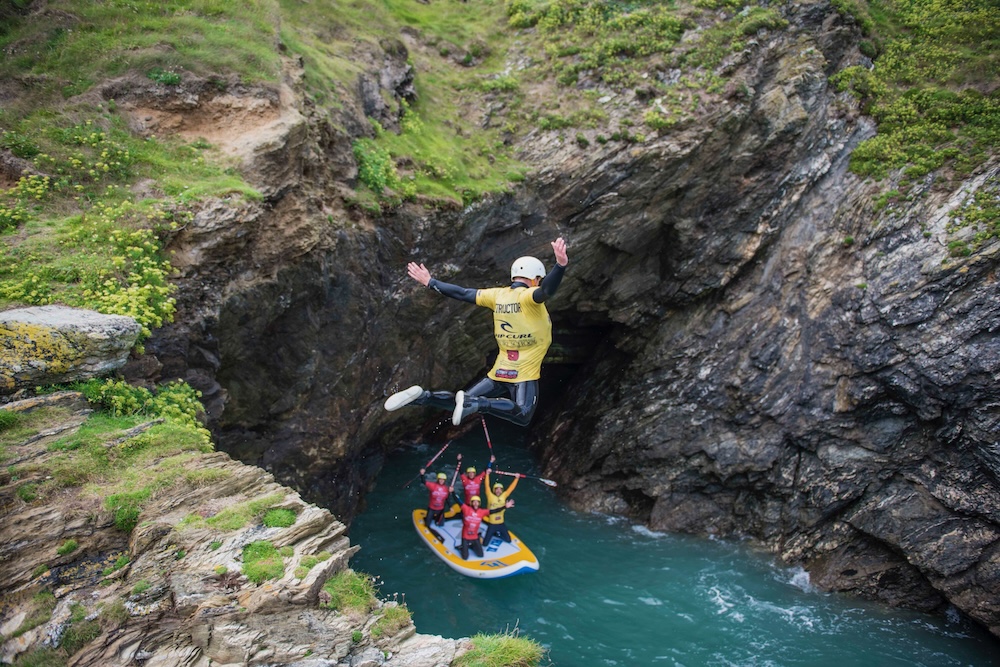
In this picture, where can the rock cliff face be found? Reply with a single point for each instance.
(769, 355)
(175, 590)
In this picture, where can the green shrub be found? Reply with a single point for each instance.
(278, 518)
(27, 492)
(215, 545)
(501, 650)
(141, 587)
(9, 419)
(350, 591)
(393, 619)
(165, 77)
(356, 636)
(79, 634)
(68, 547)
(126, 508)
(261, 561)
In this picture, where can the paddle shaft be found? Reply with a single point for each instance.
(428, 465)
(547, 482)
(488, 441)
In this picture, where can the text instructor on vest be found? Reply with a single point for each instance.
(523, 332)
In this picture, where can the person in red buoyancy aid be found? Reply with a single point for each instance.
(472, 517)
(472, 483)
(439, 496)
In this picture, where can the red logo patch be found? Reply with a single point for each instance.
(512, 355)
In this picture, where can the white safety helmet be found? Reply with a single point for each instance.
(527, 267)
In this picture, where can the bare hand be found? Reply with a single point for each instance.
(509, 504)
(559, 248)
(420, 273)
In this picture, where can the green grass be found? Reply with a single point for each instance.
(241, 514)
(262, 561)
(350, 591)
(932, 90)
(278, 518)
(40, 612)
(501, 650)
(86, 42)
(393, 619)
(68, 547)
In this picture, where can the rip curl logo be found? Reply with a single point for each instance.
(506, 326)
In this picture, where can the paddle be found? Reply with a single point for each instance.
(428, 465)
(488, 441)
(547, 482)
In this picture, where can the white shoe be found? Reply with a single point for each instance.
(402, 398)
(461, 409)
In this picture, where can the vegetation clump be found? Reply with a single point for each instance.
(505, 649)
(262, 561)
(931, 87)
(394, 618)
(350, 591)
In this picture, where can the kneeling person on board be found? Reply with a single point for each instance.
(496, 502)
(472, 517)
(439, 496)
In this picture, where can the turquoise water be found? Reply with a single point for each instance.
(613, 593)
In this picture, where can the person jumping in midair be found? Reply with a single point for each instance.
(523, 332)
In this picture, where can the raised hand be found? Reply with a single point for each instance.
(419, 273)
(559, 248)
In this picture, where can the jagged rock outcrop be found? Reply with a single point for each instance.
(54, 344)
(174, 589)
(771, 356)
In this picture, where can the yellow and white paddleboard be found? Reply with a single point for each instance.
(500, 559)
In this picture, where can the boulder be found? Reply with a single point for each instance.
(54, 344)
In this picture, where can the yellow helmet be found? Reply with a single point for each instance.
(475, 499)
(441, 475)
(498, 485)
(471, 470)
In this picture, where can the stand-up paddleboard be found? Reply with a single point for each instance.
(500, 559)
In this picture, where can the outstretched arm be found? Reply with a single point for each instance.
(550, 283)
(420, 273)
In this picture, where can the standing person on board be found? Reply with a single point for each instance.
(471, 482)
(523, 332)
(496, 502)
(439, 492)
(472, 517)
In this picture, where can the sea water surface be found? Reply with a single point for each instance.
(609, 592)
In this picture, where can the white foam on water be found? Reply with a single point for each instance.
(652, 602)
(646, 532)
(614, 603)
(797, 577)
(723, 605)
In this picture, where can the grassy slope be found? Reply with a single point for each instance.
(79, 237)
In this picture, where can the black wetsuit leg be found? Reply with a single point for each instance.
(442, 400)
(477, 547)
(519, 408)
(491, 530)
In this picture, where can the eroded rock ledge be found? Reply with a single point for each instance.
(171, 592)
